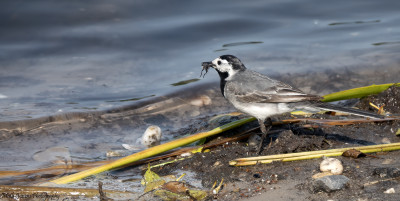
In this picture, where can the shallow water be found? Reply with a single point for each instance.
(81, 56)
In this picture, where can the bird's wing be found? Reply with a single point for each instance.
(261, 89)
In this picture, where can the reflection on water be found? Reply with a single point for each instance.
(241, 43)
(185, 82)
(387, 43)
(355, 22)
(131, 99)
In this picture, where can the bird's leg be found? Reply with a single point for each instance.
(264, 130)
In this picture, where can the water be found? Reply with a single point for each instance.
(67, 56)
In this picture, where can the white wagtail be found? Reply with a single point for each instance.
(261, 97)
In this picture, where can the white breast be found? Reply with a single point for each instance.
(261, 110)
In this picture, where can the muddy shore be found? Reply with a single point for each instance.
(188, 112)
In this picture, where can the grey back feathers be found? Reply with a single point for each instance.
(252, 87)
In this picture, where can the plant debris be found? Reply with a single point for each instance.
(389, 99)
(353, 153)
(165, 189)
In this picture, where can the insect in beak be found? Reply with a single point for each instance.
(206, 66)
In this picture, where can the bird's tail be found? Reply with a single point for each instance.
(331, 107)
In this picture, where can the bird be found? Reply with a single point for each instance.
(260, 96)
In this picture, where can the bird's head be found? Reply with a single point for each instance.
(225, 65)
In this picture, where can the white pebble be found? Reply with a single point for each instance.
(390, 191)
(332, 165)
(186, 154)
(152, 136)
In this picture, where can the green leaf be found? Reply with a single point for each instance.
(151, 180)
(357, 92)
(198, 194)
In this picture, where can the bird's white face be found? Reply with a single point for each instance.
(224, 66)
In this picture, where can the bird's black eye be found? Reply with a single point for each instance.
(219, 62)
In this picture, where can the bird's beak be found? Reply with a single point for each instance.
(206, 66)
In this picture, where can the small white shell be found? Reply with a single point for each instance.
(332, 165)
(152, 136)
